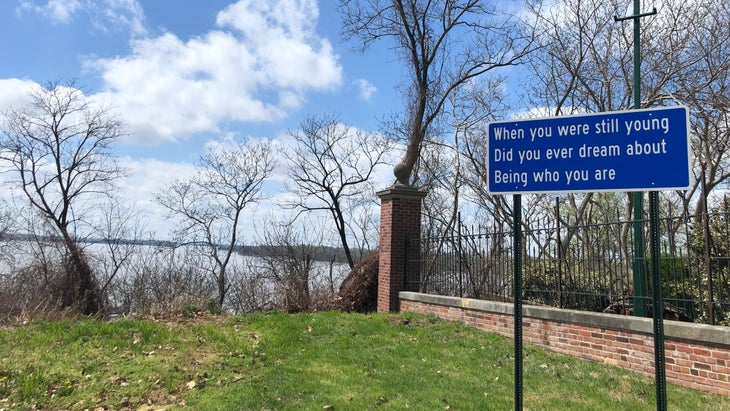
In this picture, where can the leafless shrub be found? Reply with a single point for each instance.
(34, 284)
(251, 291)
(162, 282)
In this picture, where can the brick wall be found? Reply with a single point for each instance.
(697, 355)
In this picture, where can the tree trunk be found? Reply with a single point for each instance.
(222, 286)
(81, 289)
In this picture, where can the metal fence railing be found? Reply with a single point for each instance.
(586, 267)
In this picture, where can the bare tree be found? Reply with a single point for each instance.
(58, 149)
(6, 221)
(444, 45)
(288, 261)
(210, 204)
(584, 64)
(7, 261)
(301, 274)
(705, 88)
(331, 169)
(118, 235)
(252, 290)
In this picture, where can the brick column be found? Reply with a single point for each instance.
(400, 219)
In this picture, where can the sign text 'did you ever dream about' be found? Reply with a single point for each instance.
(614, 151)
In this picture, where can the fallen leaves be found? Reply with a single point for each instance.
(198, 381)
(119, 380)
(381, 400)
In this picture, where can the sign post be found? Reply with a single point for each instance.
(639, 285)
(638, 198)
(517, 296)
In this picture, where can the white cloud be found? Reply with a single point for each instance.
(14, 92)
(111, 14)
(366, 88)
(59, 11)
(256, 66)
(104, 15)
(148, 177)
(281, 34)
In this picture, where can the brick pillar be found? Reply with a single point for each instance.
(400, 218)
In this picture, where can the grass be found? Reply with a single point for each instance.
(326, 360)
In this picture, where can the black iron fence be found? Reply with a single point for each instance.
(590, 267)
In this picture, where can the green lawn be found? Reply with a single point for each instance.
(326, 360)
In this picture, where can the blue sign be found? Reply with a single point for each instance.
(632, 150)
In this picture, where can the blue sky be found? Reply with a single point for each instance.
(185, 73)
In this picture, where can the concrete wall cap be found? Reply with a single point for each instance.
(401, 192)
(672, 329)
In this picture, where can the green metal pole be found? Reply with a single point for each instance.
(639, 253)
(660, 379)
(640, 290)
(517, 294)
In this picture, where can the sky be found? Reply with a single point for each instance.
(184, 74)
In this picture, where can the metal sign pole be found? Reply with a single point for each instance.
(517, 295)
(638, 197)
(639, 286)
(657, 305)
(640, 289)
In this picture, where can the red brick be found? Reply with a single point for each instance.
(702, 352)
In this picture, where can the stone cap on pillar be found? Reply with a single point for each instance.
(400, 191)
